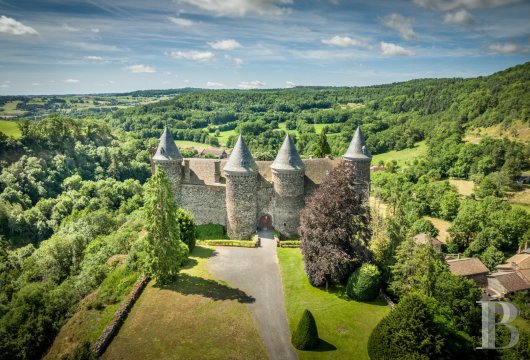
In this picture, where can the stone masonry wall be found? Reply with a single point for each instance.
(241, 205)
(206, 202)
(288, 202)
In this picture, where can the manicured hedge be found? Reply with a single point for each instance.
(364, 283)
(305, 337)
(240, 243)
(288, 243)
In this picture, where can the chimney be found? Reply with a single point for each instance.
(217, 171)
(186, 170)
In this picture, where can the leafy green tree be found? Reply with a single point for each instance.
(188, 230)
(364, 283)
(165, 252)
(323, 147)
(305, 337)
(415, 329)
(493, 184)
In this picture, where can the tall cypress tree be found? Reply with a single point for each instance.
(323, 148)
(165, 252)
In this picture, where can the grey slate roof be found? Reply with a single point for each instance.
(357, 149)
(167, 149)
(288, 159)
(240, 160)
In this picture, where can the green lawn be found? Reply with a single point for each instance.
(195, 317)
(344, 325)
(10, 128)
(224, 135)
(401, 156)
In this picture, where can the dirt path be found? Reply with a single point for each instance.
(257, 273)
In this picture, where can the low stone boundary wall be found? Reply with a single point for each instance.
(119, 316)
(388, 300)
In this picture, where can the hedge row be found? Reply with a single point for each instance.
(288, 243)
(239, 243)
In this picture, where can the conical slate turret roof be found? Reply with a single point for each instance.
(240, 160)
(288, 159)
(167, 149)
(357, 149)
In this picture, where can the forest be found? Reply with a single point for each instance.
(72, 189)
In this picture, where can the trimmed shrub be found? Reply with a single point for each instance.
(237, 243)
(289, 243)
(211, 232)
(363, 284)
(188, 231)
(305, 337)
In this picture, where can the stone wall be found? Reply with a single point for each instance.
(206, 202)
(288, 202)
(119, 316)
(241, 205)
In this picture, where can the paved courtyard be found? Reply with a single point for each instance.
(257, 273)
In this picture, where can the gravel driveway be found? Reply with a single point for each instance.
(256, 272)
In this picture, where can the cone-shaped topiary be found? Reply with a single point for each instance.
(305, 337)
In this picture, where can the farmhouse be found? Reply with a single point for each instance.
(243, 194)
(471, 268)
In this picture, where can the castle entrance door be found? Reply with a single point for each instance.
(265, 222)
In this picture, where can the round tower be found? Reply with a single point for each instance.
(288, 172)
(359, 157)
(241, 173)
(168, 157)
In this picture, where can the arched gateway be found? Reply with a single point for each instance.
(265, 222)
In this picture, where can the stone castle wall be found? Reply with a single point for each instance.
(238, 202)
(241, 205)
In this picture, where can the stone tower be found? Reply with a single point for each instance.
(288, 172)
(168, 157)
(359, 156)
(241, 173)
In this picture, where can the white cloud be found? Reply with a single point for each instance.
(290, 84)
(35, 84)
(228, 44)
(5, 86)
(240, 7)
(390, 49)
(180, 21)
(508, 48)
(112, 82)
(214, 84)
(95, 60)
(238, 61)
(448, 5)
(71, 81)
(93, 47)
(11, 26)
(251, 84)
(94, 30)
(343, 41)
(200, 56)
(70, 28)
(401, 24)
(141, 69)
(460, 17)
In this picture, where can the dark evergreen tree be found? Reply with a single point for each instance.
(305, 337)
(334, 229)
(416, 330)
(188, 230)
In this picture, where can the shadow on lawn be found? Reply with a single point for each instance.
(193, 285)
(323, 346)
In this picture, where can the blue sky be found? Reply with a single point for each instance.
(74, 46)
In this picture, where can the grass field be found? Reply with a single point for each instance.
(224, 135)
(10, 128)
(401, 156)
(344, 325)
(194, 317)
(442, 226)
(464, 187)
(517, 131)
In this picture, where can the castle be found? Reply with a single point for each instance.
(242, 194)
